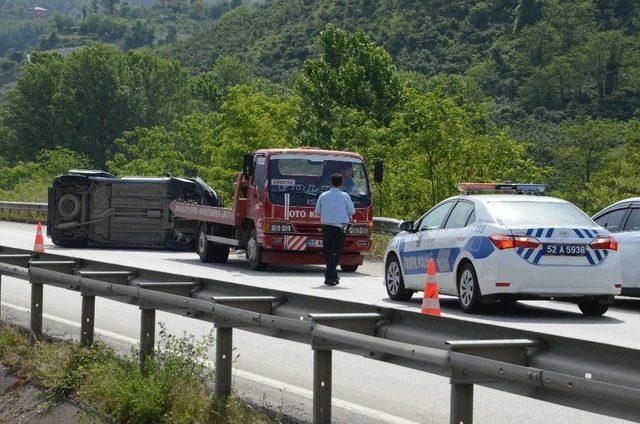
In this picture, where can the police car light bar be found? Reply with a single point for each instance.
(502, 188)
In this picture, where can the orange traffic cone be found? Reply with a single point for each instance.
(430, 302)
(38, 246)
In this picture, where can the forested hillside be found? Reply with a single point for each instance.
(443, 91)
(570, 54)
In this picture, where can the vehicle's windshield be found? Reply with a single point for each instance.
(305, 177)
(538, 213)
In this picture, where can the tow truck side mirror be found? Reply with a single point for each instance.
(378, 171)
(247, 165)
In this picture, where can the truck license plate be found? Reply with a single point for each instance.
(314, 243)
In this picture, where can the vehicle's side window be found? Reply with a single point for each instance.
(434, 218)
(633, 223)
(472, 218)
(460, 215)
(612, 221)
(259, 174)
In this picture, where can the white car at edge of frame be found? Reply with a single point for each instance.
(506, 247)
(623, 219)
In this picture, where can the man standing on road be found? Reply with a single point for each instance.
(335, 208)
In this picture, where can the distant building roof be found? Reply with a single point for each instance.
(38, 9)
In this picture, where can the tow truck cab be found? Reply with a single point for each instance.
(273, 214)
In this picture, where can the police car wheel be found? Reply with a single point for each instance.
(594, 307)
(394, 282)
(468, 289)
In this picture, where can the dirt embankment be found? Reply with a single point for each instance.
(21, 402)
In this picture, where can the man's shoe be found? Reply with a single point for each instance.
(330, 283)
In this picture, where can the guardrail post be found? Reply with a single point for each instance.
(147, 333)
(36, 310)
(322, 386)
(87, 317)
(461, 403)
(224, 350)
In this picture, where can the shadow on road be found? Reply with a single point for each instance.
(516, 312)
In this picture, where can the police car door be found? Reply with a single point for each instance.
(450, 240)
(419, 246)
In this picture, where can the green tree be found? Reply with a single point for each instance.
(211, 86)
(351, 72)
(139, 35)
(584, 149)
(30, 110)
(110, 6)
(528, 12)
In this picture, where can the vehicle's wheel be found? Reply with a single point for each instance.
(468, 289)
(394, 282)
(594, 307)
(69, 206)
(349, 268)
(254, 253)
(204, 246)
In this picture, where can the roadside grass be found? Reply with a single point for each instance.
(380, 242)
(172, 387)
(23, 216)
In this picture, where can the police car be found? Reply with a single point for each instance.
(623, 219)
(511, 245)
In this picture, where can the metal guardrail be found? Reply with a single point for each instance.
(380, 224)
(23, 206)
(585, 375)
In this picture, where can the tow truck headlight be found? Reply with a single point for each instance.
(280, 227)
(358, 230)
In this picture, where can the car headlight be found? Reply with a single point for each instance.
(358, 230)
(281, 227)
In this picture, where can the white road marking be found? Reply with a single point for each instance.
(279, 385)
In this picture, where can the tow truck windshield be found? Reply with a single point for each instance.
(305, 177)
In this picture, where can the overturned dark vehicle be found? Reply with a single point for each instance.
(96, 209)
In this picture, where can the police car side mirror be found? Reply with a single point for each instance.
(406, 226)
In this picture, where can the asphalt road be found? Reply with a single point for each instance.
(279, 372)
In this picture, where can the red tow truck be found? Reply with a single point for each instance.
(272, 216)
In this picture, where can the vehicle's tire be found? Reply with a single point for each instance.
(69, 206)
(254, 253)
(349, 268)
(204, 247)
(594, 307)
(393, 281)
(469, 295)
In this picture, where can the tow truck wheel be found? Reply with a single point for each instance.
(349, 268)
(254, 253)
(204, 246)
(594, 307)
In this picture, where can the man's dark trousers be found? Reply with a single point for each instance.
(333, 243)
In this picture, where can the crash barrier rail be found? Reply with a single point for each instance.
(582, 374)
(23, 206)
(380, 224)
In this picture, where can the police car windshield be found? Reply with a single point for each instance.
(304, 177)
(510, 213)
